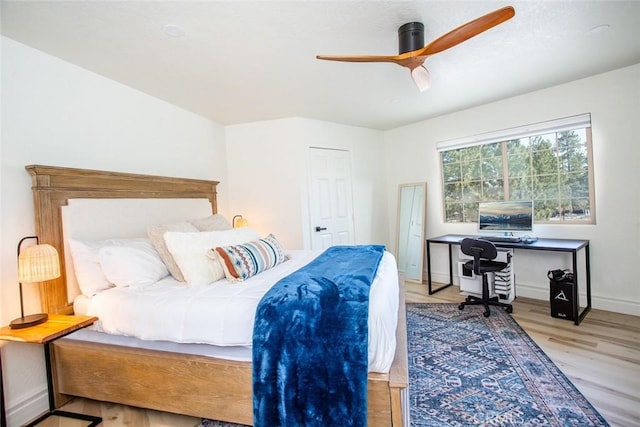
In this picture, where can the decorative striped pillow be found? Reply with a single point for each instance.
(240, 262)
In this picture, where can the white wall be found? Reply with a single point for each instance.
(613, 99)
(58, 114)
(55, 113)
(268, 176)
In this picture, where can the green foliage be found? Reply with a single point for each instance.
(551, 169)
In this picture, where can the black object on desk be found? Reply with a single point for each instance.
(552, 245)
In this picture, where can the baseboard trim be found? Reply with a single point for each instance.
(599, 302)
(28, 408)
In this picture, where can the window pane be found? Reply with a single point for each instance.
(574, 184)
(470, 154)
(492, 167)
(545, 187)
(572, 139)
(493, 190)
(491, 150)
(519, 164)
(579, 209)
(520, 188)
(572, 210)
(450, 156)
(471, 170)
(453, 212)
(542, 142)
(517, 146)
(573, 161)
(452, 172)
(553, 169)
(470, 212)
(472, 192)
(453, 192)
(544, 162)
(546, 210)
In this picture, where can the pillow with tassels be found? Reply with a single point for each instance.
(240, 262)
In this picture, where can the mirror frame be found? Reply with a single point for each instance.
(423, 231)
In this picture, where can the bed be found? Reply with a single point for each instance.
(180, 378)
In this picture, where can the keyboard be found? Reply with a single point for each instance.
(502, 239)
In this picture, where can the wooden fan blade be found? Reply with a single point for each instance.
(466, 31)
(407, 59)
(360, 58)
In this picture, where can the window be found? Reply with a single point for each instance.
(549, 163)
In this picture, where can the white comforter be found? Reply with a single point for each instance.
(222, 313)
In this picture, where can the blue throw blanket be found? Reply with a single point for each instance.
(310, 342)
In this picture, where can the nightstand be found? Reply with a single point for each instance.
(56, 327)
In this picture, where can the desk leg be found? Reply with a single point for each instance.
(3, 415)
(576, 304)
(574, 289)
(93, 421)
(431, 290)
(588, 274)
(429, 266)
(587, 264)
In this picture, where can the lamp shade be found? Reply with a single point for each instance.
(38, 263)
(239, 221)
(421, 78)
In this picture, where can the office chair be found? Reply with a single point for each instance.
(483, 253)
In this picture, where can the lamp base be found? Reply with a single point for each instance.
(28, 321)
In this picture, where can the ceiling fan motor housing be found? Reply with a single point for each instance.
(410, 37)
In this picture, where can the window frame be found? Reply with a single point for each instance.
(506, 136)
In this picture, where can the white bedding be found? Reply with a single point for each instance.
(222, 313)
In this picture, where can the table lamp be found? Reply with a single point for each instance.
(239, 221)
(36, 263)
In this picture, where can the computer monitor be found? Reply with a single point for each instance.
(507, 216)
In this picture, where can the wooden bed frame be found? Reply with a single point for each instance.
(186, 384)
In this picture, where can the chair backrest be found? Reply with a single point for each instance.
(478, 248)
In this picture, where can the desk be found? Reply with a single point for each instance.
(552, 245)
(56, 327)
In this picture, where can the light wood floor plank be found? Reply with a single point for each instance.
(601, 357)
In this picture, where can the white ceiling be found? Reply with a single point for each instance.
(245, 61)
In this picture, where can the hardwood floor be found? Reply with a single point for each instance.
(601, 356)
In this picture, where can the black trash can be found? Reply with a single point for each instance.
(561, 285)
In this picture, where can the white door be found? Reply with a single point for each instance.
(330, 198)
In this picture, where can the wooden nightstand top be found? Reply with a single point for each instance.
(57, 326)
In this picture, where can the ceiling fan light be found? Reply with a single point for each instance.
(421, 78)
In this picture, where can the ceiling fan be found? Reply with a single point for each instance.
(413, 51)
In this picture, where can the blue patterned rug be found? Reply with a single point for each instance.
(466, 369)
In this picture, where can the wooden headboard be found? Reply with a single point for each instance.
(53, 186)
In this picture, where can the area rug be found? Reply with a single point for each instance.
(466, 369)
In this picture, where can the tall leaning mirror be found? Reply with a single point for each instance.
(410, 230)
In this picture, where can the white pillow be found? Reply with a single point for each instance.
(211, 223)
(189, 250)
(156, 234)
(126, 266)
(86, 261)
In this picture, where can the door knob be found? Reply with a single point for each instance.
(318, 228)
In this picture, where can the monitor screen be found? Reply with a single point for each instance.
(505, 216)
